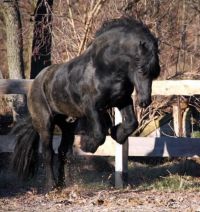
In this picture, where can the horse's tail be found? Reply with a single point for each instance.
(25, 157)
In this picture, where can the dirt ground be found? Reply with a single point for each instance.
(74, 199)
(90, 190)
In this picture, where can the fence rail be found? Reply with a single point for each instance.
(138, 146)
(14, 86)
(135, 146)
(159, 87)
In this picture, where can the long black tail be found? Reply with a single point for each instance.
(25, 157)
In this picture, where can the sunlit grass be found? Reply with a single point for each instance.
(177, 183)
(172, 176)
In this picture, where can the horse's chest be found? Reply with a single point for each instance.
(117, 91)
(110, 97)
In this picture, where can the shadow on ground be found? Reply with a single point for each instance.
(98, 173)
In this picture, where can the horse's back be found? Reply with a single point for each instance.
(54, 91)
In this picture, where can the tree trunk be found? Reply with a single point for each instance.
(15, 61)
(41, 48)
(14, 39)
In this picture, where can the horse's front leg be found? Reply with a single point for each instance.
(129, 123)
(96, 134)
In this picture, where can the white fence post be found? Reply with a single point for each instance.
(121, 158)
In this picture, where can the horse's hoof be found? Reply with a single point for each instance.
(116, 134)
(87, 147)
(49, 187)
(91, 144)
(61, 182)
(121, 141)
(61, 185)
(47, 190)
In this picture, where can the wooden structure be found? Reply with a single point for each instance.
(14, 86)
(134, 146)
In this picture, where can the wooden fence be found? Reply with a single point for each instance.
(134, 146)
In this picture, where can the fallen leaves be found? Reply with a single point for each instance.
(78, 199)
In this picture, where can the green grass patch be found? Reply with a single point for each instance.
(176, 183)
(174, 175)
(195, 134)
(170, 175)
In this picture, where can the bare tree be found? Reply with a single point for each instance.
(41, 48)
(74, 24)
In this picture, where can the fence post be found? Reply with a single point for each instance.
(177, 119)
(121, 158)
(181, 118)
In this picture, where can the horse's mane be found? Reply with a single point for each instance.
(129, 23)
(126, 22)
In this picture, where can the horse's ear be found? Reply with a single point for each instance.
(142, 44)
(142, 47)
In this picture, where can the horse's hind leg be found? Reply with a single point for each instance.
(46, 137)
(42, 119)
(45, 126)
(65, 147)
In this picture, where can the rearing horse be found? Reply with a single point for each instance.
(123, 56)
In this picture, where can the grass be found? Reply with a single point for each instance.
(174, 175)
(176, 183)
(195, 134)
(170, 175)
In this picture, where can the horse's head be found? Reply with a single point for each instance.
(143, 70)
(128, 48)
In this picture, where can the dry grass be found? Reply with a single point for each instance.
(174, 175)
(4, 105)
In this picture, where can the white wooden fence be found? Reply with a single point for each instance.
(134, 146)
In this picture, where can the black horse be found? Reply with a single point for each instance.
(123, 56)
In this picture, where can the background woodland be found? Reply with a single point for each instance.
(36, 33)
